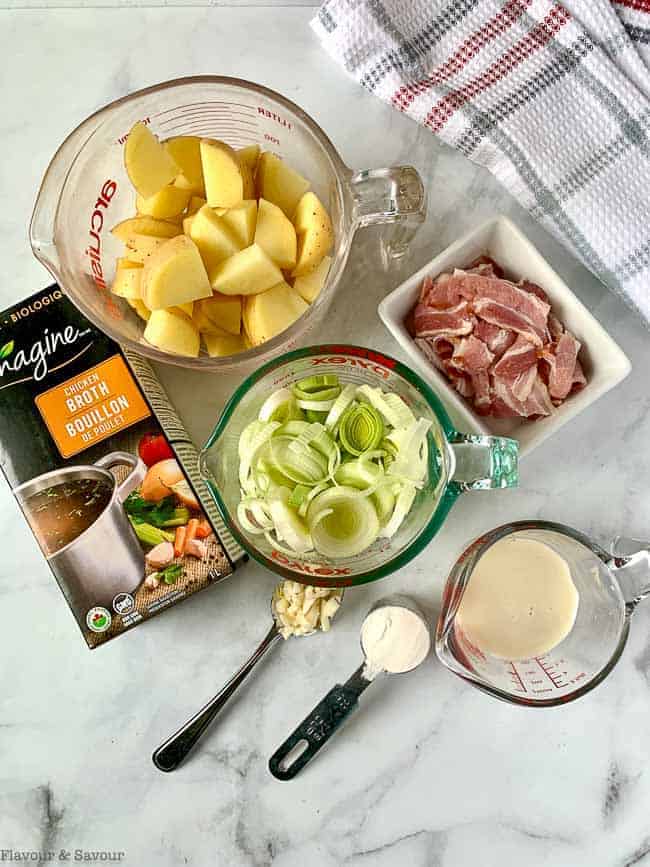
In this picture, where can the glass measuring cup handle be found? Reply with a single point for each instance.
(483, 462)
(394, 195)
(631, 568)
(318, 727)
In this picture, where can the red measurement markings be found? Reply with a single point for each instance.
(516, 677)
(548, 670)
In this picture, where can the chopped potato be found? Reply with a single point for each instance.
(140, 308)
(144, 225)
(278, 183)
(128, 282)
(276, 235)
(195, 204)
(224, 185)
(242, 220)
(148, 164)
(223, 311)
(310, 284)
(315, 234)
(168, 202)
(213, 237)
(142, 247)
(249, 156)
(271, 312)
(172, 333)
(174, 274)
(246, 273)
(223, 344)
(185, 150)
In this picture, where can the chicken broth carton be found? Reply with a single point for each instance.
(103, 470)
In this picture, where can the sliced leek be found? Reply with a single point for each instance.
(327, 468)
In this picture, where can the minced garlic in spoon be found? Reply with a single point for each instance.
(301, 609)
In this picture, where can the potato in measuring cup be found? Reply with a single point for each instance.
(227, 247)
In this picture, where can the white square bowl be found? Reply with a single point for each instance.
(605, 364)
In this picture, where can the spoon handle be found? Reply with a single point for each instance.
(175, 749)
(318, 727)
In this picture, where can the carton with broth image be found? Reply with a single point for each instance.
(103, 470)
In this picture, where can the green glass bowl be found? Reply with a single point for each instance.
(457, 462)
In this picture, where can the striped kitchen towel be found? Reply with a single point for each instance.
(553, 98)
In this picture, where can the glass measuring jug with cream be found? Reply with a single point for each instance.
(536, 613)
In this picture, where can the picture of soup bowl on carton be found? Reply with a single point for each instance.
(77, 516)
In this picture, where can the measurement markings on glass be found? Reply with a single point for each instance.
(228, 105)
(550, 669)
(516, 678)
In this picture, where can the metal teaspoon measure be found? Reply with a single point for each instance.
(169, 755)
(329, 714)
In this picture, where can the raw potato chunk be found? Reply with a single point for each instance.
(187, 308)
(141, 247)
(275, 234)
(169, 202)
(202, 323)
(144, 225)
(174, 274)
(242, 219)
(224, 186)
(127, 263)
(219, 345)
(185, 150)
(195, 204)
(213, 237)
(272, 312)
(279, 184)
(148, 164)
(224, 311)
(140, 308)
(187, 224)
(310, 284)
(246, 273)
(249, 156)
(127, 282)
(172, 333)
(315, 234)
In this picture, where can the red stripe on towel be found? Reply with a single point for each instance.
(493, 28)
(533, 41)
(638, 5)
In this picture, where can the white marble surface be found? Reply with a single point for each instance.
(430, 772)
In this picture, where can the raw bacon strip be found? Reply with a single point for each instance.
(523, 384)
(521, 356)
(534, 289)
(489, 265)
(555, 327)
(497, 339)
(471, 355)
(579, 378)
(560, 377)
(454, 321)
(482, 392)
(462, 383)
(538, 403)
(505, 292)
(437, 350)
(505, 317)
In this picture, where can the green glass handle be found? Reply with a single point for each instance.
(484, 462)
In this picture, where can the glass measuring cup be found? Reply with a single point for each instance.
(609, 587)
(457, 462)
(86, 190)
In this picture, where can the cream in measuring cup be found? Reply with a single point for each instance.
(520, 601)
(582, 617)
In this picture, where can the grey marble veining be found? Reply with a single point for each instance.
(429, 772)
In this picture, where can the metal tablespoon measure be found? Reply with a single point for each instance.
(176, 748)
(395, 631)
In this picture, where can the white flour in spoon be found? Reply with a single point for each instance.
(394, 639)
